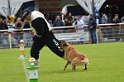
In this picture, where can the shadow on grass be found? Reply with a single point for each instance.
(62, 71)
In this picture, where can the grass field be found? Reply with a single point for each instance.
(106, 65)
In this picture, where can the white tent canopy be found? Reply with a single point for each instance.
(14, 6)
(87, 5)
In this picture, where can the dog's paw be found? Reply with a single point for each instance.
(64, 69)
(85, 68)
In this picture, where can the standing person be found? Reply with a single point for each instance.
(3, 35)
(104, 18)
(42, 34)
(27, 34)
(79, 26)
(79, 23)
(92, 29)
(18, 33)
(58, 22)
(122, 19)
(68, 22)
(115, 31)
(69, 19)
(116, 19)
(84, 17)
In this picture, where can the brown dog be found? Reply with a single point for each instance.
(73, 56)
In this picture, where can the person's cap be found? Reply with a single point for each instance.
(25, 13)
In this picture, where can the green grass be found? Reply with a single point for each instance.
(106, 65)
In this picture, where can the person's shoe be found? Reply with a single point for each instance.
(33, 61)
(36, 62)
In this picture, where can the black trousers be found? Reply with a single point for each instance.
(48, 40)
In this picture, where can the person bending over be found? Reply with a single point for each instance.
(42, 34)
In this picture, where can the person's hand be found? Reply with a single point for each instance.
(76, 26)
(91, 27)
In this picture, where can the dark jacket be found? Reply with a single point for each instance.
(92, 22)
(68, 21)
(1, 26)
(116, 20)
(58, 23)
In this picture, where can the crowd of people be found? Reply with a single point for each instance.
(80, 22)
(116, 32)
(69, 19)
(17, 34)
(115, 19)
(3, 35)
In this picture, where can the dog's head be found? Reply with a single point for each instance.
(63, 44)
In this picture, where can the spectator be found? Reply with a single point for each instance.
(84, 18)
(3, 35)
(69, 19)
(92, 29)
(104, 18)
(19, 26)
(68, 22)
(1, 24)
(58, 22)
(5, 24)
(79, 23)
(27, 34)
(115, 32)
(116, 19)
(122, 19)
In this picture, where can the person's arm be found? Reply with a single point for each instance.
(122, 19)
(94, 23)
(21, 25)
(14, 25)
(62, 23)
(106, 18)
(38, 25)
(54, 24)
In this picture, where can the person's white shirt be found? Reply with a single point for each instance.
(35, 15)
(79, 26)
(85, 19)
(104, 18)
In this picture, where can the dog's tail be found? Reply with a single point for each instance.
(85, 60)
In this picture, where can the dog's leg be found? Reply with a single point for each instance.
(73, 66)
(85, 67)
(86, 63)
(66, 65)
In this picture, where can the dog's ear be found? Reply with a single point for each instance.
(61, 41)
(65, 44)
